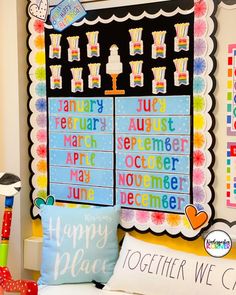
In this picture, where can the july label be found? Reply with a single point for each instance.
(153, 106)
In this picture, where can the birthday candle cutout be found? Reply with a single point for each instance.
(159, 46)
(55, 48)
(93, 47)
(159, 82)
(56, 79)
(77, 83)
(181, 75)
(73, 50)
(136, 43)
(182, 38)
(136, 77)
(94, 77)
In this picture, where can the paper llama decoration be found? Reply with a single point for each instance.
(136, 43)
(136, 77)
(56, 79)
(93, 47)
(73, 50)
(77, 83)
(94, 77)
(182, 38)
(159, 82)
(55, 47)
(159, 46)
(181, 75)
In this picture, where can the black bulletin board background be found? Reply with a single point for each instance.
(118, 33)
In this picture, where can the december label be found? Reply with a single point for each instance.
(167, 202)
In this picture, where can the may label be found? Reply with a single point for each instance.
(66, 13)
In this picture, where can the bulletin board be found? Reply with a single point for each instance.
(121, 112)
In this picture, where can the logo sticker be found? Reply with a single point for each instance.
(218, 243)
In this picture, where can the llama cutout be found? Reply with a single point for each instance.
(93, 47)
(181, 75)
(73, 50)
(136, 77)
(55, 47)
(182, 38)
(56, 79)
(94, 77)
(136, 43)
(77, 83)
(159, 46)
(159, 82)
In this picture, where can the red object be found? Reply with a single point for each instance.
(6, 224)
(233, 151)
(230, 61)
(20, 286)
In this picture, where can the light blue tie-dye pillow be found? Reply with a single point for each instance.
(79, 244)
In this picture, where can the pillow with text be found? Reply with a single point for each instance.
(79, 244)
(144, 268)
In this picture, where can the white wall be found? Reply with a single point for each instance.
(9, 118)
(13, 118)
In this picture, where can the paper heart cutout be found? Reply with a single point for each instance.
(40, 201)
(39, 11)
(196, 219)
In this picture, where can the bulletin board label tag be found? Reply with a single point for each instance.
(66, 13)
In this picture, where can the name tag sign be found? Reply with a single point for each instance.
(66, 13)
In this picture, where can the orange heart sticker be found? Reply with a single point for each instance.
(196, 219)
